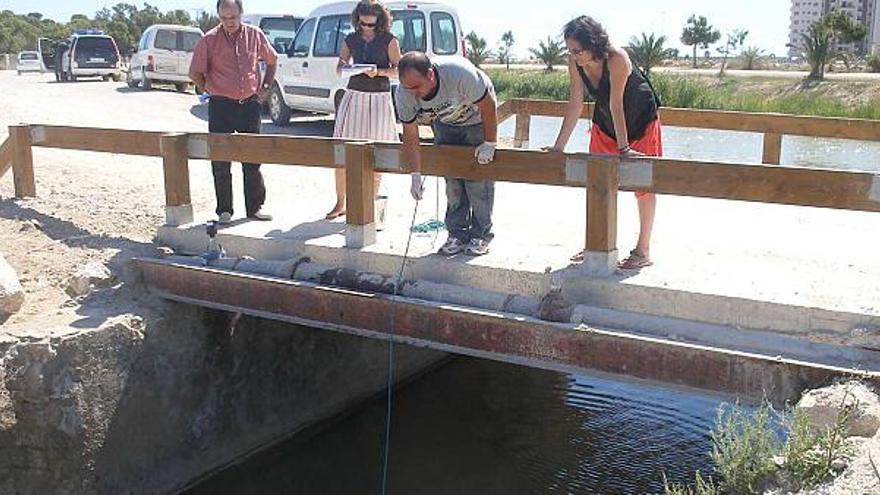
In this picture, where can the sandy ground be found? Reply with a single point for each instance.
(107, 207)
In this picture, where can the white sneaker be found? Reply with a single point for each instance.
(477, 247)
(453, 246)
(225, 218)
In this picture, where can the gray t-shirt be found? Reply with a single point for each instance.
(462, 86)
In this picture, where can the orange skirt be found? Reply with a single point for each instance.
(651, 144)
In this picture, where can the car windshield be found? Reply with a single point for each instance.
(28, 56)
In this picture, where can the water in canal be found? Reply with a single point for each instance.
(481, 427)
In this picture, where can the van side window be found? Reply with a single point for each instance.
(445, 38)
(409, 29)
(145, 41)
(188, 41)
(166, 40)
(303, 41)
(331, 34)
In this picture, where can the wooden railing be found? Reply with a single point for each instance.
(601, 175)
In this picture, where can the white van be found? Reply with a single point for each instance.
(163, 56)
(279, 28)
(306, 78)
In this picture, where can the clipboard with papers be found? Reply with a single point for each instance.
(357, 69)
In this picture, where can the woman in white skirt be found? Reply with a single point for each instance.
(366, 110)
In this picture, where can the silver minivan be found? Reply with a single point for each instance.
(163, 55)
(306, 78)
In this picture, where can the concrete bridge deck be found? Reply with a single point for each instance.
(794, 270)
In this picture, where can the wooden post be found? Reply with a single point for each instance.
(523, 124)
(22, 161)
(360, 196)
(600, 255)
(175, 159)
(772, 148)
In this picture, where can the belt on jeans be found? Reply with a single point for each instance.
(249, 99)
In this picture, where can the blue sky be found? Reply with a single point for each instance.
(766, 20)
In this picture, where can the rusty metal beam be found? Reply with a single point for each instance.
(498, 336)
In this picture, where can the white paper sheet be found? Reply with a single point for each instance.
(353, 70)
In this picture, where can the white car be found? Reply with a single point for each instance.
(29, 62)
(306, 78)
(90, 54)
(163, 55)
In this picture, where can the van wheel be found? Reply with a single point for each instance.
(72, 78)
(279, 112)
(116, 77)
(146, 84)
(19, 72)
(181, 87)
(337, 100)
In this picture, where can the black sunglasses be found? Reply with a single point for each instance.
(368, 24)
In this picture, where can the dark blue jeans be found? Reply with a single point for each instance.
(469, 203)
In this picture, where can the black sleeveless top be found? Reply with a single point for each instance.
(372, 52)
(640, 102)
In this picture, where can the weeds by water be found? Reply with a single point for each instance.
(743, 446)
(690, 92)
(752, 451)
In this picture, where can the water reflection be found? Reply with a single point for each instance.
(477, 426)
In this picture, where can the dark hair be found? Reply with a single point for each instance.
(237, 4)
(416, 61)
(372, 8)
(589, 34)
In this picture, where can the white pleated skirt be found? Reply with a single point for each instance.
(366, 116)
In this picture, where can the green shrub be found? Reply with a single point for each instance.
(743, 447)
(874, 62)
(701, 487)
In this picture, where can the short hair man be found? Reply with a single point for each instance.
(226, 63)
(460, 100)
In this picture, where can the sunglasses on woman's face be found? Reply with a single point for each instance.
(370, 25)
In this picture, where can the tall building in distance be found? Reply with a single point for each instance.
(806, 12)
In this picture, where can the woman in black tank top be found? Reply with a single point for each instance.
(625, 116)
(366, 110)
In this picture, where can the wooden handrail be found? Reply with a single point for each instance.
(601, 175)
(128, 142)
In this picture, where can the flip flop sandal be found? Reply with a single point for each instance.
(334, 215)
(635, 261)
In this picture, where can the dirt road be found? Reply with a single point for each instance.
(101, 207)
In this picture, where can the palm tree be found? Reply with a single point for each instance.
(816, 43)
(648, 52)
(751, 57)
(816, 46)
(504, 54)
(550, 53)
(478, 51)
